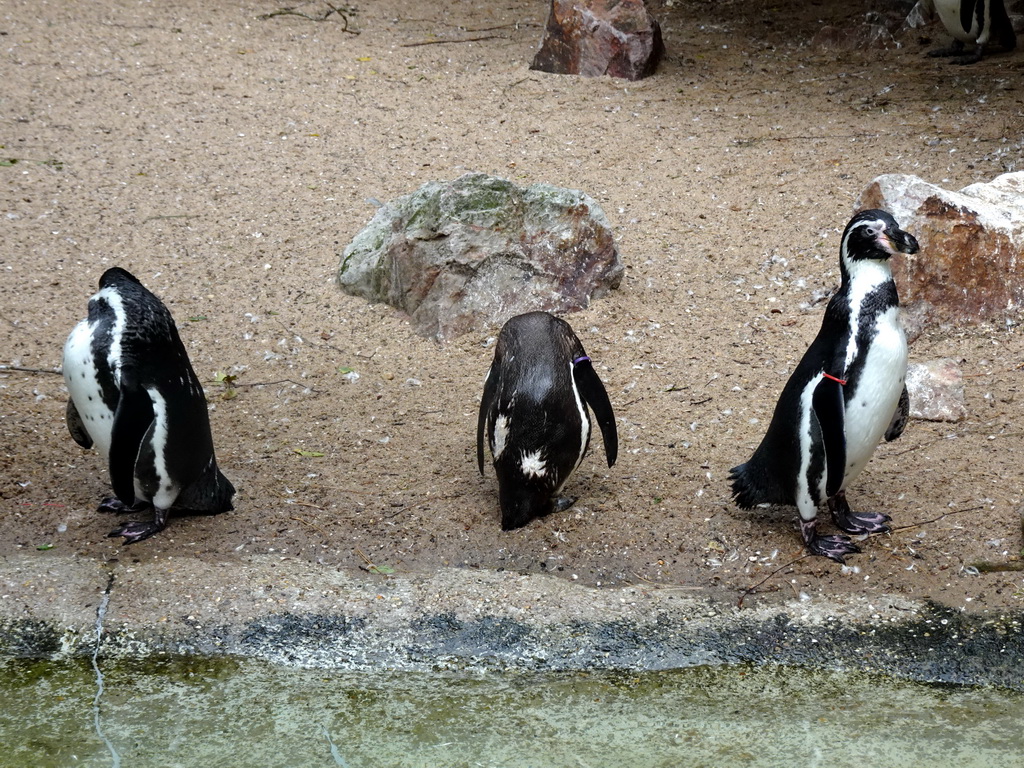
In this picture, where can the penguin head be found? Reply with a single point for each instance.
(116, 276)
(874, 235)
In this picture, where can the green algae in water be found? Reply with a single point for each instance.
(225, 712)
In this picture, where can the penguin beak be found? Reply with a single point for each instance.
(896, 240)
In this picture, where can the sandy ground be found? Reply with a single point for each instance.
(226, 160)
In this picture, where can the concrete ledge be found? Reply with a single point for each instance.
(291, 612)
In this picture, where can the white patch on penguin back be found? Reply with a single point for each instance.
(500, 436)
(532, 464)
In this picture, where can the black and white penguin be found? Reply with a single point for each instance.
(135, 397)
(847, 392)
(977, 22)
(534, 412)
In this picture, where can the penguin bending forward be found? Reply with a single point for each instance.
(135, 397)
(977, 22)
(534, 412)
(847, 392)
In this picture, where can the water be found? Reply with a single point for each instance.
(217, 712)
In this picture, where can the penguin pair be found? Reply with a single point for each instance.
(977, 22)
(136, 399)
(846, 394)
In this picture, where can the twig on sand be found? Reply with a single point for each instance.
(446, 42)
(316, 528)
(749, 590)
(752, 587)
(291, 11)
(902, 528)
(22, 369)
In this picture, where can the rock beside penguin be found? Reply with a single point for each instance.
(534, 415)
(846, 394)
(137, 400)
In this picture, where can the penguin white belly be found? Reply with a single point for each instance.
(84, 386)
(870, 410)
(949, 14)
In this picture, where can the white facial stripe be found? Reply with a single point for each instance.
(117, 331)
(533, 465)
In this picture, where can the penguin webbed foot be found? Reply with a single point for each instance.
(114, 505)
(955, 49)
(835, 547)
(137, 530)
(857, 523)
(955, 52)
(562, 503)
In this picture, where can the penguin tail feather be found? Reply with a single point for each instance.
(742, 492)
(210, 493)
(750, 488)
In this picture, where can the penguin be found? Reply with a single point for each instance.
(977, 22)
(136, 399)
(846, 394)
(534, 413)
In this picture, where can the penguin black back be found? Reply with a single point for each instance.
(135, 395)
(534, 414)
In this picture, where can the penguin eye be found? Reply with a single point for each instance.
(873, 231)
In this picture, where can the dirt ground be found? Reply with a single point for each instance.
(227, 160)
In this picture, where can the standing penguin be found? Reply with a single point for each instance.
(534, 411)
(135, 397)
(977, 22)
(847, 392)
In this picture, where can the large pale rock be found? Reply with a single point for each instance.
(936, 390)
(970, 264)
(600, 37)
(460, 255)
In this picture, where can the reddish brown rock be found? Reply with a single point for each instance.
(600, 37)
(970, 265)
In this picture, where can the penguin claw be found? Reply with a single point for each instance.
(856, 523)
(562, 503)
(135, 531)
(115, 505)
(859, 523)
(833, 547)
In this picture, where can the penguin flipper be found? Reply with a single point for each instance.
(967, 11)
(490, 388)
(830, 409)
(899, 418)
(132, 421)
(592, 390)
(76, 426)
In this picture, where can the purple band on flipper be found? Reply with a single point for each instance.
(581, 359)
